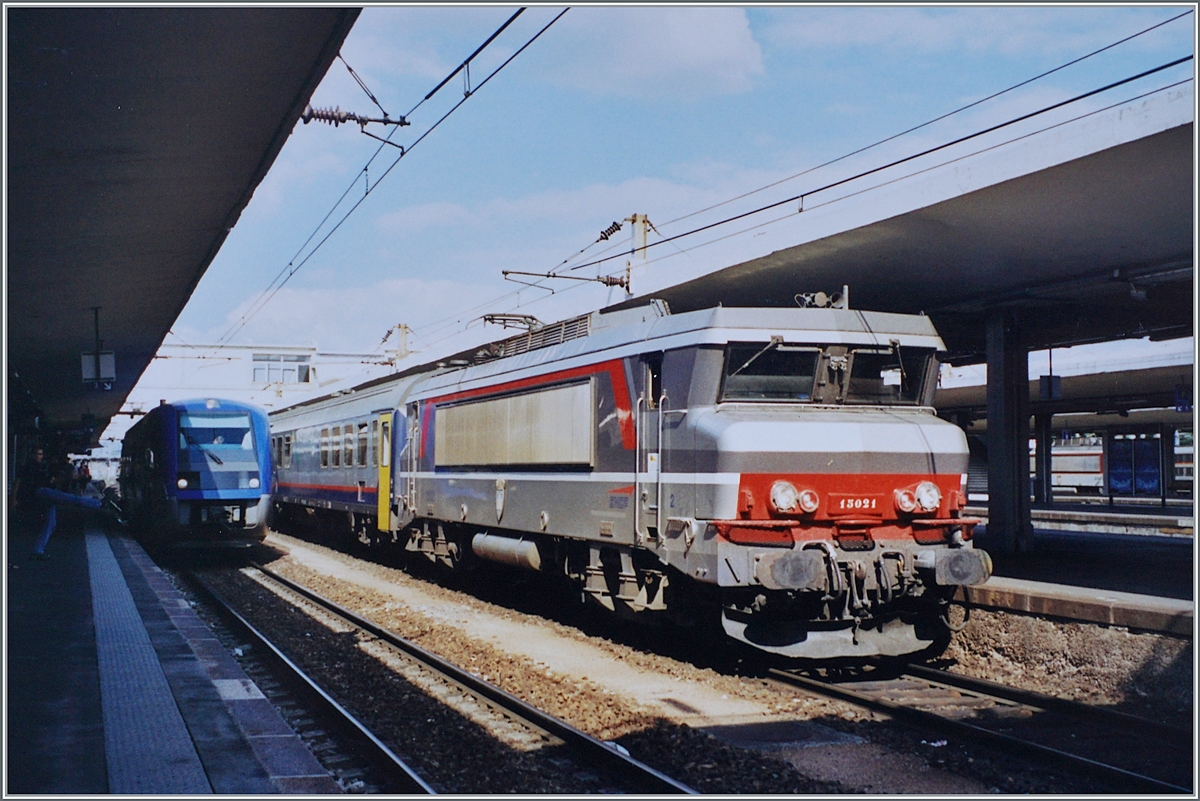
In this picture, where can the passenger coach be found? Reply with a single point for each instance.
(781, 470)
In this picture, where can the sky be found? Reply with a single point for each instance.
(663, 111)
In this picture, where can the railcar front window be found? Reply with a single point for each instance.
(888, 376)
(759, 371)
(215, 433)
(216, 452)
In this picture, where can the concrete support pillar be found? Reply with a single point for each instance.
(1043, 491)
(1009, 527)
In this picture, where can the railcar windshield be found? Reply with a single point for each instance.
(217, 451)
(780, 373)
(215, 432)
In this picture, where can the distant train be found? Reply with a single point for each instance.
(780, 472)
(197, 473)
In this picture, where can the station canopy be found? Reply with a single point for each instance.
(136, 137)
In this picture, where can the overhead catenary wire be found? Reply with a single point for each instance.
(470, 313)
(897, 162)
(860, 150)
(292, 267)
(937, 119)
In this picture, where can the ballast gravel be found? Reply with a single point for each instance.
(670, 696)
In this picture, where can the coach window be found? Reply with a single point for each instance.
(335, 447)
(374, 438)
(324, 447)
(362, 445)
(385, 445)
(287, 450)
(348, 449)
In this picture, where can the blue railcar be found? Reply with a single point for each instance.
(197, 473)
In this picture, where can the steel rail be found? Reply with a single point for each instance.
(1126, 779)
(597, 752)
(1049, 702)
(407, 780)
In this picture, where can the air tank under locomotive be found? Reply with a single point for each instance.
(779, 469)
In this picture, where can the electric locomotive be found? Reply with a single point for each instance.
(779, 470)
(197, 473)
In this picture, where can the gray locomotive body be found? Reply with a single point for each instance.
(779, 468)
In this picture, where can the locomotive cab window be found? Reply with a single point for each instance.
(888, 375)
(755, 371)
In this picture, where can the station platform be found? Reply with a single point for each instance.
(116, 686)
(1098, 517)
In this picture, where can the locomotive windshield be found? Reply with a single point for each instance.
(771, 373)
(775, 372)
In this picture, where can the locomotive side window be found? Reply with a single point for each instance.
(287, 450)
(324, 447)
(348, 449)
(771, 372)
(335, 447)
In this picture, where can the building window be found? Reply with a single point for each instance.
(275, 368)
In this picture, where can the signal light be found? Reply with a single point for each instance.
(182, 483)
(809, 501)
(905, 500)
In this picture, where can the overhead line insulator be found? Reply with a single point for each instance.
(335, 116)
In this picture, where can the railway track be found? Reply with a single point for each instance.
(1129, 753)
(284, 679)
(516, 719)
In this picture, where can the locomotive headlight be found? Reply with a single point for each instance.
(905, 500)
(182, 483)
(784, 497)
(253, 482)
(809, 500)
(929, 497)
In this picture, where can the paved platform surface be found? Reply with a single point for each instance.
(116, 686)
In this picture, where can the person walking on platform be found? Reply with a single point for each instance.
(33, 492)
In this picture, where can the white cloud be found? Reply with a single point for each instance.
(649, 53)
(349, 317)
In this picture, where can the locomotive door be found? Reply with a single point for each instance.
(383, 494)
(648, 429)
